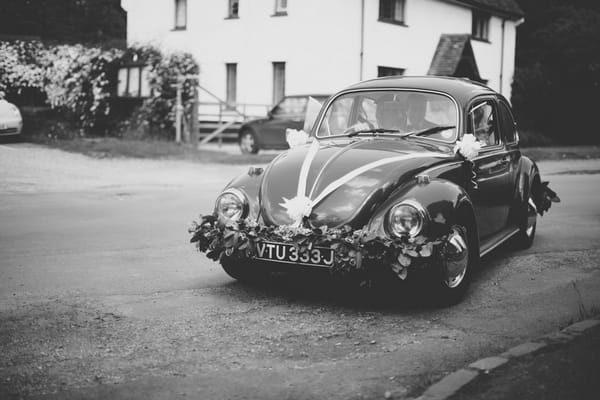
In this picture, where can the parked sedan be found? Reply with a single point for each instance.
(269, 133)
(11, 121)
(409, 178)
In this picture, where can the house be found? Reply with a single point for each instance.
(255, 51)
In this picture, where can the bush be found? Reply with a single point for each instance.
(79, 83)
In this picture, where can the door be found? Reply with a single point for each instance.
(492, 196)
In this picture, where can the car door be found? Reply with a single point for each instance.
(508, 128)
(492, 195)
(288, 113)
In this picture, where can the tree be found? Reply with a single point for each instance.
(557, 78)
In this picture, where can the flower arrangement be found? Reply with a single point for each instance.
(296, 137)
(354, 250)
(468, 147)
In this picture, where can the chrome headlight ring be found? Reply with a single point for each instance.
(408, 217)
(232, 205)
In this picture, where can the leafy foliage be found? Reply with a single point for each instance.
(80, 82)
(354, 250)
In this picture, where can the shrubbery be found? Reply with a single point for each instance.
(80, 83)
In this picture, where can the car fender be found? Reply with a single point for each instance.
(529, 179)
(249, 183)
(445, 202)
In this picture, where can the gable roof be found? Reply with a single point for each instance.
(506, 8)
(453, 54)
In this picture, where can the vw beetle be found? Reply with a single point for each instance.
(409, 176)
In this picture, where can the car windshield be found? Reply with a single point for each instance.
(391, 112)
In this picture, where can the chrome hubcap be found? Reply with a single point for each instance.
(531, 217)
(247, 142)
(458, 260)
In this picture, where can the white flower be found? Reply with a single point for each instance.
(468, 147)
(295, 137)
(297, 208)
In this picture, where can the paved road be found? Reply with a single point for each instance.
(101, 296)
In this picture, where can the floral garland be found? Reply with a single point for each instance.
(354, 250)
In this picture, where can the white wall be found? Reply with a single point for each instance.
(319, 40)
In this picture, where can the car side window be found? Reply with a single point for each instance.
(482, 123)
(290, 107)
(507, 123)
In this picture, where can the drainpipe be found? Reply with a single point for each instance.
(502, 57)
(362, 37)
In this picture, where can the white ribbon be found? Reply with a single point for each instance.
(301, 206)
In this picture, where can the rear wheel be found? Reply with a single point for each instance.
(247, 142)
(527, 225)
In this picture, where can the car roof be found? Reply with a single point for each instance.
(461, 89)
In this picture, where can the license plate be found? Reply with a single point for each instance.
(287, 253)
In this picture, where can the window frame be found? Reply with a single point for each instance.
(231, 85)
(231, 5)
(391, 6)
(177, 5)
(515, 140)
(476, 103)
(382, 68)
(279, 9)
(278, 67)
(480, 26)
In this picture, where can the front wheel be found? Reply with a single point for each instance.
(243, 270)
(453, 274)
(247, 142)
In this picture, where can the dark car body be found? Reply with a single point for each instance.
(269, 132)
(366, 177)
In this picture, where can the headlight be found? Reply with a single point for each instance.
(407, 218)
(231, 205)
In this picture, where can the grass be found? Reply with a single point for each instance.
(151, 149)
(158, 149)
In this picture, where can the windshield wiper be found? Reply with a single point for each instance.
(427, 131)
(374, 130)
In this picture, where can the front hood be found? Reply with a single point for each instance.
(384, 164)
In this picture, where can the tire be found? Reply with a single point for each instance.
(452, 276)
(243, 270)
(247, 142)
(527, 224)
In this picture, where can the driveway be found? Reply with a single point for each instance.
(102, 296)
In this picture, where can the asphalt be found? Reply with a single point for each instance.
(561, 365)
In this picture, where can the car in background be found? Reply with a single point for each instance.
(11, 121)
(269, 132)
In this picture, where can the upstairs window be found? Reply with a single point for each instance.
(391, 11)
(180, 14)
(481, 26)
(389, 71)
(280, 7)
(234, 6)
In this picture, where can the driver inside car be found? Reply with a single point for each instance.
(389, 113)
